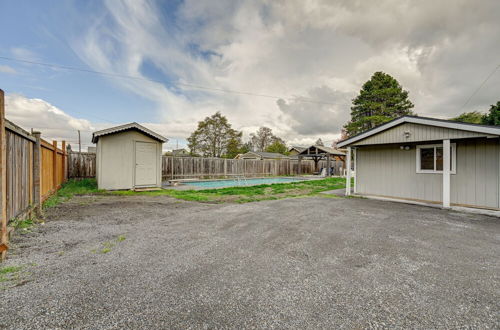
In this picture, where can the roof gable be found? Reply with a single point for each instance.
(418, 129)
(321, 150)
(126, 127)
(296, 148)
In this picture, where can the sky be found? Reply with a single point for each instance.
(293, 66)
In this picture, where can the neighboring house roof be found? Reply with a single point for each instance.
(126, 127)
(298, 149)
(262, 154)
(450, 124)
(328, 150)
(180, 152)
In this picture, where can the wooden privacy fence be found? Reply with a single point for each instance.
(53, 167)
(31, 169)
(19, 168)
(191, 167)
(81, 165)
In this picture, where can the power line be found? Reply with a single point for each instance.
(118, 75)
(480, 86)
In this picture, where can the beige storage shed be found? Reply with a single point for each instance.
(427, 160)
(128, 157)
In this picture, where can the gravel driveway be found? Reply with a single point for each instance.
(155, 262)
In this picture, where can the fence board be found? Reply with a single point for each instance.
(53, 160)
(47, 176)
(19, 179)
(60, 168)
(81, 165)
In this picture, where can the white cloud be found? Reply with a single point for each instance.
(42, 116)
(439, 51)
(23, 53)
(7, 69)
(56, 124)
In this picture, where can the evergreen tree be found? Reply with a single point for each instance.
(319, 142)
(234, 147)
(380, 100)
(493, 116)
(278, 147)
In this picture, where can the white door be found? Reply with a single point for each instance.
(145, 164)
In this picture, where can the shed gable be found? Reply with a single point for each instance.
(417, 133)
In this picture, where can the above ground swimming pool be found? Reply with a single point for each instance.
(238, 182)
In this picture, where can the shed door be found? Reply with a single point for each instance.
(145, 163)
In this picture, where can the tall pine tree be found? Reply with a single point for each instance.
(380, 100)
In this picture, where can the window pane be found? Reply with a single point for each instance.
(427, 159)
(439, 159)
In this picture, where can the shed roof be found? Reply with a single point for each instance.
(450, 124)
(126, 127)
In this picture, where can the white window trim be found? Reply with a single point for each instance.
(453, 155)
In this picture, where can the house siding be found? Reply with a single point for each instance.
(418, 133)
(389, 171)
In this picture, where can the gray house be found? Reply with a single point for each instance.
(128, 157)
(428, 160)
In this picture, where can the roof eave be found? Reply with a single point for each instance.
(125, 127)
(423, 121)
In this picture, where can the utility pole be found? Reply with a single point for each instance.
(79, 143)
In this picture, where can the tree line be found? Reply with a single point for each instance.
(215, 137)
(381, 99)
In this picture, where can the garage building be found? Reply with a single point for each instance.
(427, 160)
(128, 157)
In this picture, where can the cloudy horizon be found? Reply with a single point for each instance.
(297, 63)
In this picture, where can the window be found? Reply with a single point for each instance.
(430, 158)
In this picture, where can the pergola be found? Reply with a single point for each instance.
(318, 153)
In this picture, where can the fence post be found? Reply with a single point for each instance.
(37, 177)
(172, 167)
(54, 165)
(68, 162)
(64, 160)
(3, 181)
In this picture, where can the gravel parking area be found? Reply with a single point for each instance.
(156, 262)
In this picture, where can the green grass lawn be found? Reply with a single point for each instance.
(250, 193)
(71, 188)
(230, 194)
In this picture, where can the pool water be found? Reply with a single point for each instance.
(239, 183)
